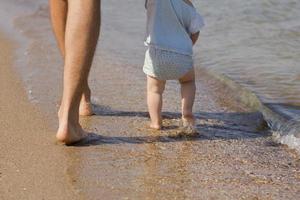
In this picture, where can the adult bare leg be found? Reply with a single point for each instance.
(59, 13)
(81, 36)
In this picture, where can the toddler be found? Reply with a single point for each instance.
(173, 27)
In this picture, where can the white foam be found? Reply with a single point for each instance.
(31, 97)
(290, 140)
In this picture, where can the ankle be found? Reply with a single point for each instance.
(188, 116)
(85, 99)
(86, 95)
(157, 124)
(68, 117)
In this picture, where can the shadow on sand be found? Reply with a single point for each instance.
(212, 126)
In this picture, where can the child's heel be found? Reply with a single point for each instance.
(188, 127)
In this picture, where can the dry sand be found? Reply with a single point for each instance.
(31, 166)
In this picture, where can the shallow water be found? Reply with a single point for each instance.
(257, 44)
(130, 160)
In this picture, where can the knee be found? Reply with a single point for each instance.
(187, 81)
(189, 77)
(156, 88)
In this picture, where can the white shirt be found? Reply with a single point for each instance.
(170, 24)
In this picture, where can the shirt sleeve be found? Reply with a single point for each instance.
(197, 22)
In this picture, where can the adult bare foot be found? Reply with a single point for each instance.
(69, 133)
(85, 107)
(189, 126)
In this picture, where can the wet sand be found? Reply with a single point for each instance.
(234, 157)
(32, 166)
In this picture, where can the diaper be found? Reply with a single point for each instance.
(166, 65)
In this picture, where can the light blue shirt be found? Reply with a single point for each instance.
(170, 24)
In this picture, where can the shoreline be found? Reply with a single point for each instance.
(285, 128)
(32, 167)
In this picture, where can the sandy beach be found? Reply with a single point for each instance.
(233, 157)
(229, 160)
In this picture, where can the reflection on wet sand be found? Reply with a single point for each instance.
(137, 163)
(164, 177)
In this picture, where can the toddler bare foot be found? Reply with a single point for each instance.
(189, 126)
(155, 126)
